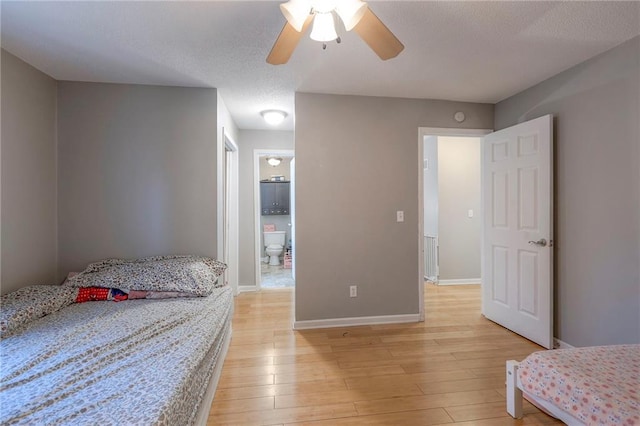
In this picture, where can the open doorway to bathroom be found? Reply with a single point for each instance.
(274, 200)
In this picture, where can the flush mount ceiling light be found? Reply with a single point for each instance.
(354, 14)
(273, 116)
(274, 161)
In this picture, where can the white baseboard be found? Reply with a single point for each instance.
(559, 344)
(246, 288)
(463, 281)
(349, 322)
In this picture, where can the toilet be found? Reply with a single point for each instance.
(274, 244)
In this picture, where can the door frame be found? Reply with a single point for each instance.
(257, 153)
(228, 147)
(434, 131)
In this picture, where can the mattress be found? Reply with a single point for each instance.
(594, 385)
(131, 362)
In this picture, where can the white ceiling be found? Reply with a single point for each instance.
(467, 51)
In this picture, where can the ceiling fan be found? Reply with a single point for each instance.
(354, 14)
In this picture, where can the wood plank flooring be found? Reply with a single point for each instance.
(448, 369)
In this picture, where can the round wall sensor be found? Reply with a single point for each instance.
(459, 116)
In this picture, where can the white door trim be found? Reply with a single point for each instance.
(228, 145)
(422, 132)
(257, 153)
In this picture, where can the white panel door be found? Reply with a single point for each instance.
(517, 197)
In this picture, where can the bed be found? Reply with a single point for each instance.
(582, 386)
(138, 361)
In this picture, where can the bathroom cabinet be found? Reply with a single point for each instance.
(274, 198)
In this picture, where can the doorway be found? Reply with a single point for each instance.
(517, 225)
(274, 192)
(452, 206)
(228, 210)
(430, 135)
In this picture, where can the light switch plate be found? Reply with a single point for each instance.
(400, 216)
(470, 213)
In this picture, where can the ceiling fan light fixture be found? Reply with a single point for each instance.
(351, 12)
(273, 117)
(324, 28)
(296, 12)
(356, 15)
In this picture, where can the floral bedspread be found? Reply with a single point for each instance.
(133, 362)
(596, 385)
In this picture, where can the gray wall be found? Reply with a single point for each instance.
(137, 171)
(248, 140)
(459, 191)
(357, 163)
(597, 193)
(225, 121)
(28, 248)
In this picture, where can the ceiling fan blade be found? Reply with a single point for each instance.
(286, 43)
(379, 38)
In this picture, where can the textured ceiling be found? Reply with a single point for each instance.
(467, 51)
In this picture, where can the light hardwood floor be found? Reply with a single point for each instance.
(448, 369)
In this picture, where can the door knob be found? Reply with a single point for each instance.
(541, 242)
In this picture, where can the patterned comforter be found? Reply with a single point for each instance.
(595, 385)
(133, 362)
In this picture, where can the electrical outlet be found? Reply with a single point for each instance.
(353, 291)
(400, 216)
